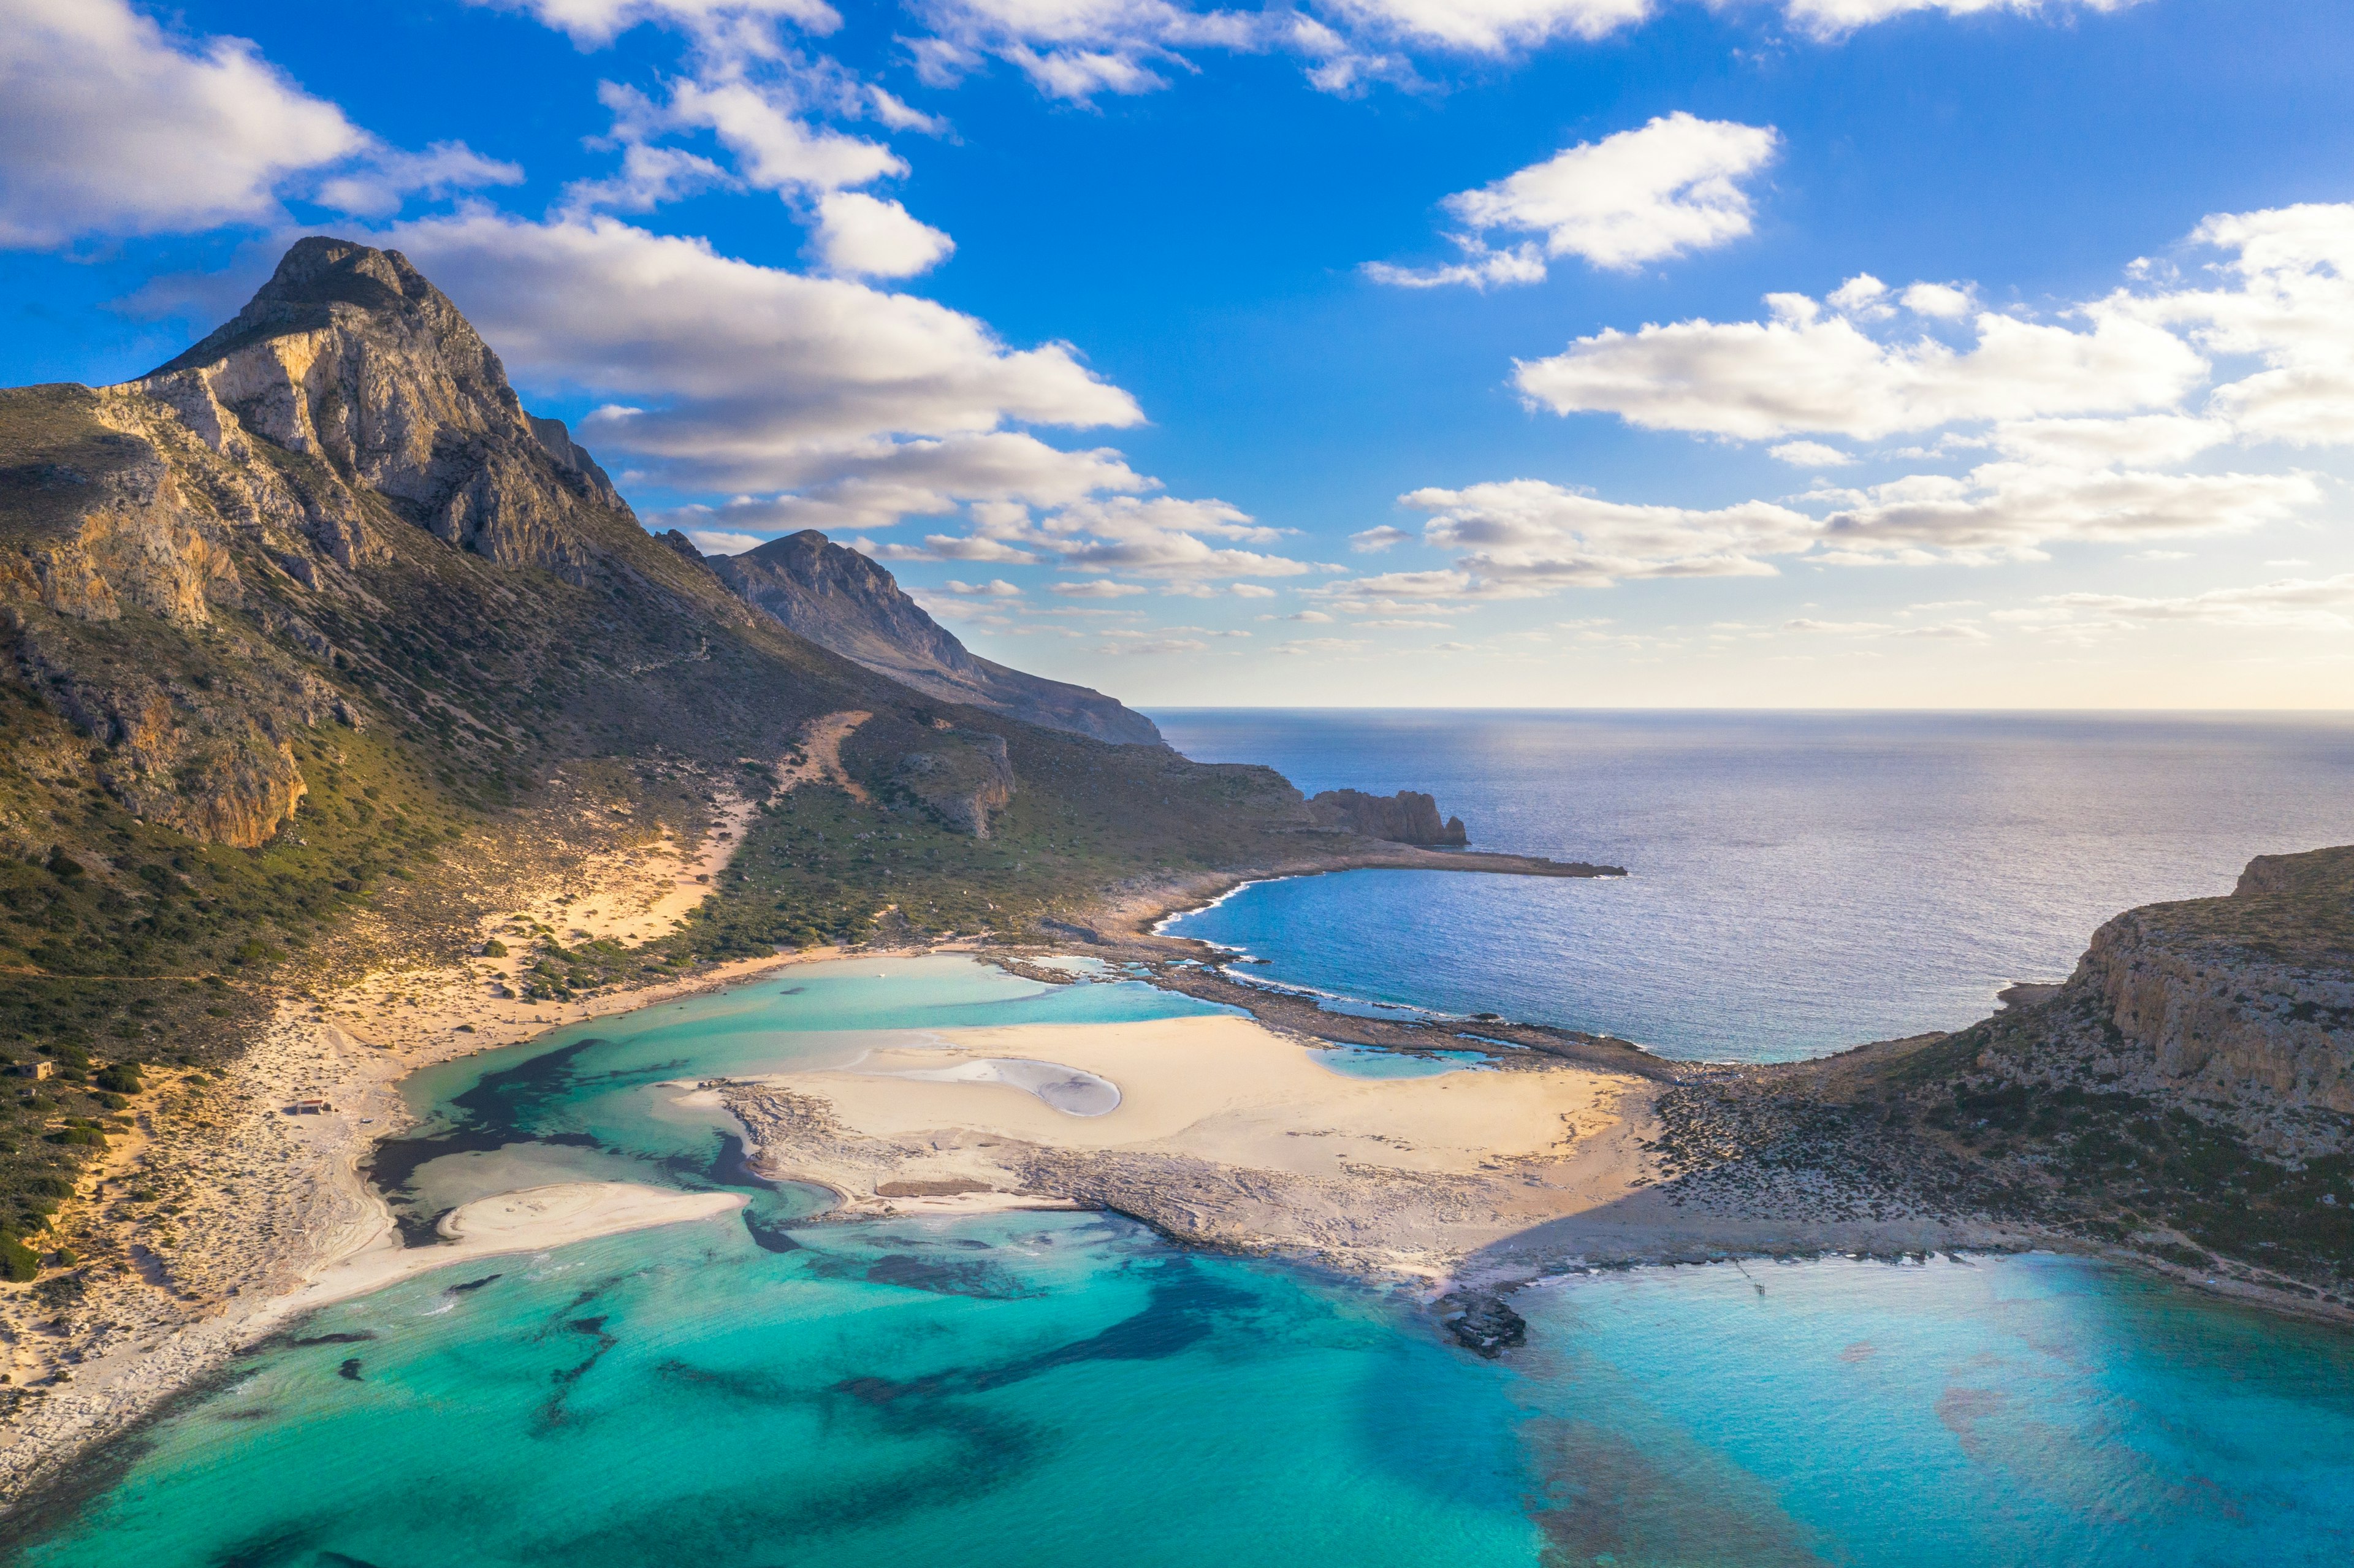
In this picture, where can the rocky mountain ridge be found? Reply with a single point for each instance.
(316, 621)
(848, 602)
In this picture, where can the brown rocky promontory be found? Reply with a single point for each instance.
(1409, 817)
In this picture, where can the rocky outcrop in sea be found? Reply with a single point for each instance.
(1409, 817)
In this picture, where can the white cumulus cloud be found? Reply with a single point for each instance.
(725, 375)
(1528, 535)
(111, 125)
(1807, 372)
(1836, 18)
(1668, 187)
(2011, 510)
(1809, 454)
(864, 236)
(385, 178)
(1078, 50)
(1095, 588)
(2325, 604)
(593, 23)
(1492, 27)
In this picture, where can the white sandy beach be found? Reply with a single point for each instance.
(529, 1220)
(1225, 1131)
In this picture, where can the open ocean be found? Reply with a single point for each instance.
(1800, 882)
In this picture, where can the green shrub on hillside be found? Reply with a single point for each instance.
(19, 1262)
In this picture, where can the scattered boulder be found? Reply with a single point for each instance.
(1481, 1322)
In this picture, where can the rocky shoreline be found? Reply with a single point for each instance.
(2223, 1025)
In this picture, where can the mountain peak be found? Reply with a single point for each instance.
(321, 283)
(349, 355)
(851, 603)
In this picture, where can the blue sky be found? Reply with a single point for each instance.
(1300, 355)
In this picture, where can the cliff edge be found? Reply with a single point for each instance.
(2187, 1093)
(1409, 817)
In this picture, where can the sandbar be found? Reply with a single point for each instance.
(529, 1220)
(1225, 1132)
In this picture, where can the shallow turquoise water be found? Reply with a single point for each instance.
(1364, 1062)
(1066, 1389)
(2024, 1411)
(599, 1101)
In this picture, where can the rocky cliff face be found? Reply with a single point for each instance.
(122, 561)
(2187, 1093)
(964, 777)
(842, 601)
(1408, 817)
(349, 356)
(2237, 1012)
(2245, 1003)
(196, 566)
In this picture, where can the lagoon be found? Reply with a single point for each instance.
(1066, 1388)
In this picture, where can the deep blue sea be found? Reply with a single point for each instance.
(1800, 882)
(1064, 1390)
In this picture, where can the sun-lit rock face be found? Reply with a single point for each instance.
(350, 356)
(2244, 997)
(347, 398)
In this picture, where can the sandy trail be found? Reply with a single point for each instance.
(821, 760)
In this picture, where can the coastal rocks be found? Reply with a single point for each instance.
(1409, 817)
(1482, 1323)
(2248, 999)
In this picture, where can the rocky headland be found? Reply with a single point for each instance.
(1409, 817)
